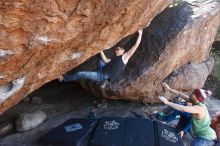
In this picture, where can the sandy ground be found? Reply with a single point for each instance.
(64, 101)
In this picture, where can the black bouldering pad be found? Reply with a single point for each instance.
(109, 132)
(134, 132)
(139, 132)
(166, 135)
(71, 133)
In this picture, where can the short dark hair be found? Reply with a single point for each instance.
(121, 47)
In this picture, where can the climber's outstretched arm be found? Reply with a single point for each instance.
(182, 95)
(128, 54)
(189, 109)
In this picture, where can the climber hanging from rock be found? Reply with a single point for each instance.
(112, 68)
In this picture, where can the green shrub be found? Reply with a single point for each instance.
(176, 3)
(213, 82)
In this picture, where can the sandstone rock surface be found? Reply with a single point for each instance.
(42, 39)
(178, 36)
(190, 76)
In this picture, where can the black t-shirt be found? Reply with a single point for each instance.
(114, 68)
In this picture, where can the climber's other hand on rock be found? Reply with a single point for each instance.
(163, 99)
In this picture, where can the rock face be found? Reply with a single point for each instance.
(176, 37)
(42, 39)
(190, 76)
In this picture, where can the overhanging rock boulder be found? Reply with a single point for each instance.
(177, 36)
(41, 40)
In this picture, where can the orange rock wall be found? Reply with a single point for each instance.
(42, 39)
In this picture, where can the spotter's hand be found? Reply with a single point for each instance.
(165, 85)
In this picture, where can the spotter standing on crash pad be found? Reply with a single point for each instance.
(204, 134)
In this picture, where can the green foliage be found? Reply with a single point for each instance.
(216, 70)
(218, 34)
(176, 3)
(213, 82)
